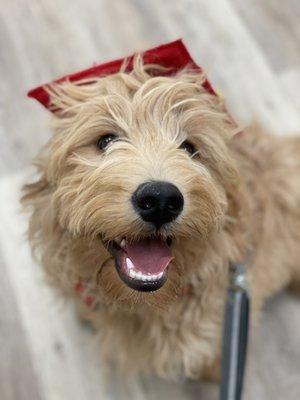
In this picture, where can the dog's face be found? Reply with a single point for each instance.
(140, 167)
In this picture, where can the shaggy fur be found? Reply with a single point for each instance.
(242, 202)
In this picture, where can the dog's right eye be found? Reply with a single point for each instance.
(188, 147)
(104, 141)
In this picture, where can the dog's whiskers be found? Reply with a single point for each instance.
(101, 268)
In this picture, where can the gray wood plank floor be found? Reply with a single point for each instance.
(251, 52)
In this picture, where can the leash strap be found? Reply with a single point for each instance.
(235, 335)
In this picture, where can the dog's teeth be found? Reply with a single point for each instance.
(132, 273)
(129, 263)
(123, 243)
(139, 275)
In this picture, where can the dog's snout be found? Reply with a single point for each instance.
(158, 202)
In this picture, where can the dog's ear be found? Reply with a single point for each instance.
(37, 195)
(36, 199)
(33, 191)
(238, 131)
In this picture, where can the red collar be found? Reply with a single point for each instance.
(173, 55)
(86, 293)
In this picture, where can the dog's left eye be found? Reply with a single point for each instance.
(187, 146)
(104, 141)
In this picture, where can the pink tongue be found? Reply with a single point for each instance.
(150, 256)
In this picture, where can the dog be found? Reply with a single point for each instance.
(147, 190)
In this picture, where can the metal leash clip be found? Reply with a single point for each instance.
(235, 334)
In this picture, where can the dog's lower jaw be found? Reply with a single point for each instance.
(142, 264)
(138, 282)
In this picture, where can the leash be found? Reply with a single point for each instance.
(235, 335)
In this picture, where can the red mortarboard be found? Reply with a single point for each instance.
(173, 55)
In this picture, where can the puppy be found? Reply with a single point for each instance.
(146, 191)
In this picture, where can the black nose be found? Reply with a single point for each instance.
(158, 202)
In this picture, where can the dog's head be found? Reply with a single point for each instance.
(139, 167)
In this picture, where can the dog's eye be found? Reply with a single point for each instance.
(187, 146)
(104, 141)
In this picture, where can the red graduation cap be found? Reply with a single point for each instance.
(173, 55)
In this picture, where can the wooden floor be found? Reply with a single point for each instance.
(251, 52)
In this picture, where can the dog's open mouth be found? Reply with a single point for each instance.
(142, 264)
